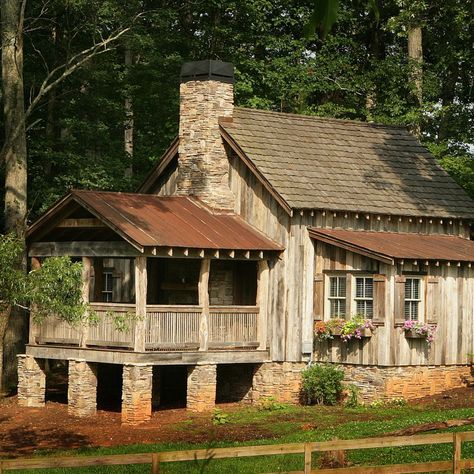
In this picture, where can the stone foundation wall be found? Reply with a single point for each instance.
(31, 381)
(201, 393)
(136, 393)
(280, 380)
(408, 382)
(82, 388)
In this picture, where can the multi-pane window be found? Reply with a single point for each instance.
(107, 292)
(364, 296)
(337, 296)
(412, 298)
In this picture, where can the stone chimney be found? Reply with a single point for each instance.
(207, 93)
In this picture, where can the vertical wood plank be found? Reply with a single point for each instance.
(140, 303)
(87, 263)
(262, 302)
(457, 448)
(155, 463)
(34, 329)
(203, 289)
(307, 458)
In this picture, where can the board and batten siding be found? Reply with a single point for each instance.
(291, 278)
(448, 297)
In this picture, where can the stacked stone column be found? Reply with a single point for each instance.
(31, 381)
(136, 393)
(202, 380)
(82, 388)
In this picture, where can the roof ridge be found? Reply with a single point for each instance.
(373, 231)
(129, 193)
(323, 119)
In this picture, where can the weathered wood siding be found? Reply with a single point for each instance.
(448, 294)
(291, 279)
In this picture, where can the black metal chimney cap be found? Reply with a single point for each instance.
(207, 70)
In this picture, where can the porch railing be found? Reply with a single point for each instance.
(167, 328)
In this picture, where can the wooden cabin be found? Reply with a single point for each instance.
(252, 228)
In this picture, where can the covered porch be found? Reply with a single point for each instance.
(160, 274)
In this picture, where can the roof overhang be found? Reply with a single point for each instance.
(390, 247)
(156, 225)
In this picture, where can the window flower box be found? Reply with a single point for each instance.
(418, 330)
(356, 328)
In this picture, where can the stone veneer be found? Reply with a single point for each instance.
(136, 393)
(203, 166)
(82, 388)
(31, 381)
(409, 382)
(201, 393)
(280, 380)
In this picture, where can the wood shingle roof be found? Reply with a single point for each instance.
(321, 163)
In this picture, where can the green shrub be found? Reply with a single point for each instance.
(322, 384)
(219, 417)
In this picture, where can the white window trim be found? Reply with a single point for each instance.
(422, 298)
(354, 299)
(327, 298)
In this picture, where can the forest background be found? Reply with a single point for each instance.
(106, 124)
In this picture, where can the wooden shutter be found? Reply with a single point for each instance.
(433, 299)
(399, 304)
(318, 297)
(379, 297)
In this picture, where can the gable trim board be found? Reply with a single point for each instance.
(388, 247)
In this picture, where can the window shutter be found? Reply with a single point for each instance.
(379, 297)
(318, 297)
(399, 299)
(433, 299)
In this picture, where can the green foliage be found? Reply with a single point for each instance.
(322, 384)
(352, 399)
(271, 404)
(13, 284)
(219, 417)
(52, 289)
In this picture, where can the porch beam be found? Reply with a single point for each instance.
(82, 249)
(140, 303)
(203, 289)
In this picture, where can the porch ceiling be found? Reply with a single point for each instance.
(146, 220)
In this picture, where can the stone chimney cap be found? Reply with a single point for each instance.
(207, 70)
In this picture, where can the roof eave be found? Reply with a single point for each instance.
(314, 234)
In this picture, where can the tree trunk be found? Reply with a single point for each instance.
(13, 327)
(14, 116)
(415, 55)
(128, 132)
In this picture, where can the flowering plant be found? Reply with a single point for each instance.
(427, 331)
(353, 328)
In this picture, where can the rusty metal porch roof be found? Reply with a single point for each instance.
(146, 220)
(391, 246)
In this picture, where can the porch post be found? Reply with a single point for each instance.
(140, 303)
(204, 303)
(87, 264)
(34, 329)
(262, 302)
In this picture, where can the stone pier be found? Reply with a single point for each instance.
(136, 393)
(82, 388)
(31, 381)
(202, 380)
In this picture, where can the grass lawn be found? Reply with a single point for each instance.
(289, 425)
